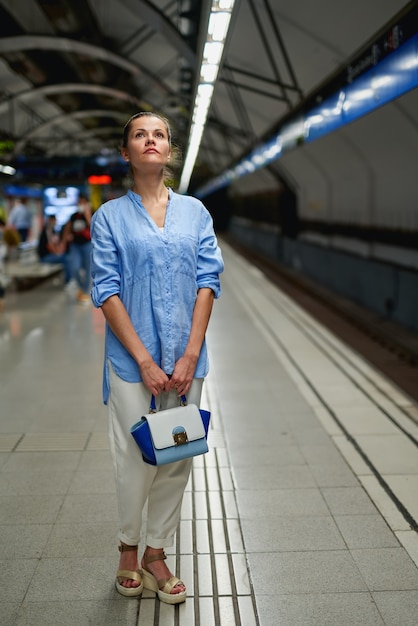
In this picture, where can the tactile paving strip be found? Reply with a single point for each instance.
(46, 442)
(9, 441)
(98, 441)
(208, 554)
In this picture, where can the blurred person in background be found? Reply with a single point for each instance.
(20, 218)
(77, 233)
(3, 255)
(52, 248)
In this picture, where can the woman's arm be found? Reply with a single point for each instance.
(119, 321)
(185, 367)
(106, 286)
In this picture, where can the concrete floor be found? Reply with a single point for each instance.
(303, 512)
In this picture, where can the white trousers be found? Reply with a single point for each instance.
(137, 481)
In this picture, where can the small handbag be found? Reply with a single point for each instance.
(172, 434)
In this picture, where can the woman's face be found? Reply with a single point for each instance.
(147, 143)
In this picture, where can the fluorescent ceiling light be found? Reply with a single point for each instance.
(208, 72)
(228, 5)
(7, 169)
(218, 25)
(212, 52)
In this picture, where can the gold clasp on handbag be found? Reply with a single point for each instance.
(180, 436)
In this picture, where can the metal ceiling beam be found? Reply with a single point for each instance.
(263, 79)
(145, 32)
(260, 92)
(53, 146)
(160, 24)
(72, 46)
(265, 39)
(283, 49)
(76, 115)
(239, 107)
(104, 133)
(49, 90)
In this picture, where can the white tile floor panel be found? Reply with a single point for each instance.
(304, 512)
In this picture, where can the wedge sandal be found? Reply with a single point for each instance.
(131, 574)
(164, 586)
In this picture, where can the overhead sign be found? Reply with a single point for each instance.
(102, 179)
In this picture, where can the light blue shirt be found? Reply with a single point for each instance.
(156, 273)
(20, 216)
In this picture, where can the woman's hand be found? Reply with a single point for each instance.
(182, 377)
(153, 377)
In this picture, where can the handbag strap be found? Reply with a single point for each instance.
(153, 406)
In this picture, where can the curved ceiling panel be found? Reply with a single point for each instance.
(147, 52)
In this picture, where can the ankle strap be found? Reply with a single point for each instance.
(124, 548)
(161, 556)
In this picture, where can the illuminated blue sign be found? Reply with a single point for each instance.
(368, 87)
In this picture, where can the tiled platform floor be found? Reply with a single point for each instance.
(303, 513)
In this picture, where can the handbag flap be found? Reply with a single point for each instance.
(165, 424)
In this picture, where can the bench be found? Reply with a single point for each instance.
(24, 275)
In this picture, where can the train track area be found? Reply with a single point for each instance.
(389, 347)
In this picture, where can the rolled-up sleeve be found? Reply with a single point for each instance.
(105, 260)
(210, 263)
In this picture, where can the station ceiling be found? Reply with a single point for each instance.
(72, 73)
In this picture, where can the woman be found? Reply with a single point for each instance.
(155, 268)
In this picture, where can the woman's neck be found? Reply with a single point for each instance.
(154, 198)
(150, 188)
